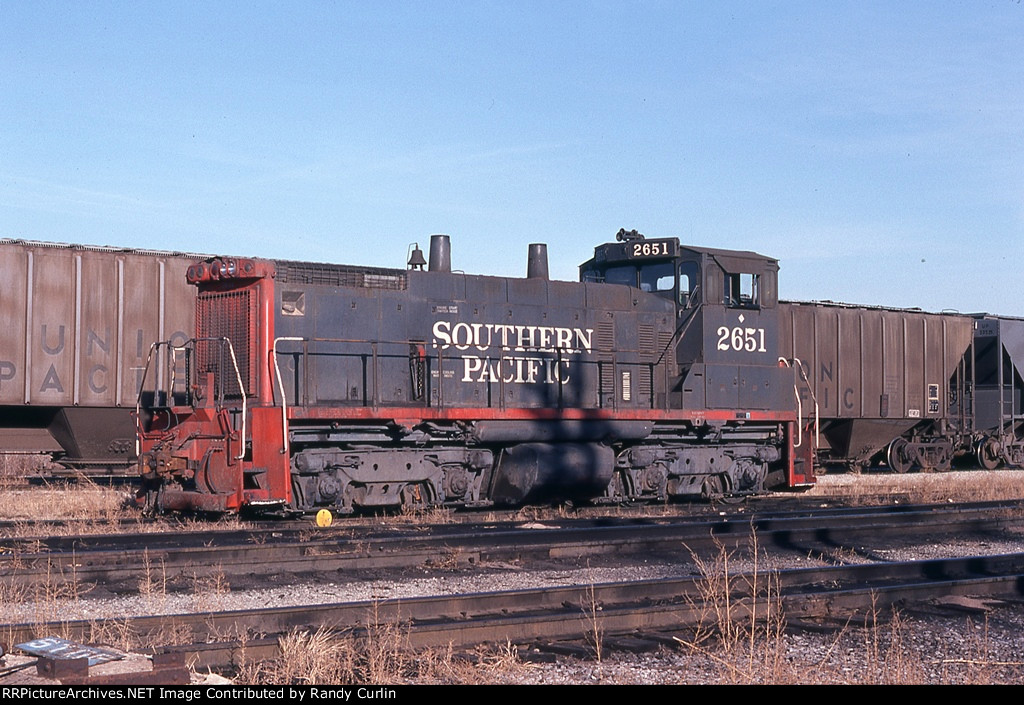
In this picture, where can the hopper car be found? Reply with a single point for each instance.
(78, 322)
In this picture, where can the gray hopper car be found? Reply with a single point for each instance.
(78, 323)
(890, 385)
(999, 412)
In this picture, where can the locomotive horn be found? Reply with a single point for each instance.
(537, 261)
(440, 254)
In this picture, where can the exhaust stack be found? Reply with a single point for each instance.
(537, 262)
(440, 254)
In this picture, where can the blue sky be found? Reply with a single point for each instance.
(875, 149)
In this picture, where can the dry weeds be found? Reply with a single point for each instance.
(742, 638)
(923, 488)
(380, 656)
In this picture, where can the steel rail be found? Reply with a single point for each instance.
(25, 563)
(574, 612)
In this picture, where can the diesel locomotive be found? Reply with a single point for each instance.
(309, 386)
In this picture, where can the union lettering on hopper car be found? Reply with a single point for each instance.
(76, 337)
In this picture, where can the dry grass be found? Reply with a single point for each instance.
(377, 654)
(380, 656)
(925, 488)
(15, 467)
(210, 592)
(88, 508)
(742, 638)
(83, 500)
(741, 625)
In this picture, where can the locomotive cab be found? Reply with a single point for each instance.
(725, 348)
(726, 338)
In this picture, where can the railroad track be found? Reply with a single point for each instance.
(120, 562)
(632, 612)
(652, 609)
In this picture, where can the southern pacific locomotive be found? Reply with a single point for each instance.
(311, 386)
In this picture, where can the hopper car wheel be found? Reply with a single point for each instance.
(897, 458)
(987, 453)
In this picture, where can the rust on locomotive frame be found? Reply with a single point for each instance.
(311, 385)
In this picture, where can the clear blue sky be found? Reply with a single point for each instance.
(875, 148)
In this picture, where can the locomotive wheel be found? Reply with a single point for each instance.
(897, 458)
(987, 453)
(717, 488)
(713, 487)
(417, 495)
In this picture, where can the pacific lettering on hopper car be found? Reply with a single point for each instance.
(77, 332)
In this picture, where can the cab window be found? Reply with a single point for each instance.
(658, 278)
(621, 275)
(741, 291)
(688, 284)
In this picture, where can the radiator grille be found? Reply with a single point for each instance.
(340, 275)
(647, 347)
(226, 315)
(605, 355)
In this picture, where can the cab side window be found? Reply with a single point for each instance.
(742, 291)
(621, 275)
(688, 284)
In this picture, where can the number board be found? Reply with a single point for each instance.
(642, 249)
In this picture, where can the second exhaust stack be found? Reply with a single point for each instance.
(440, 254)
(537, 262)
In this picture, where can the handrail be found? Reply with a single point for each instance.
(498, 353)
(680, 330)
(797, 364)
(241, 390)
(799, 409)
(280, 386)
(184, 349)
(138, 401)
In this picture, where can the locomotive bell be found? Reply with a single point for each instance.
(416, 260)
